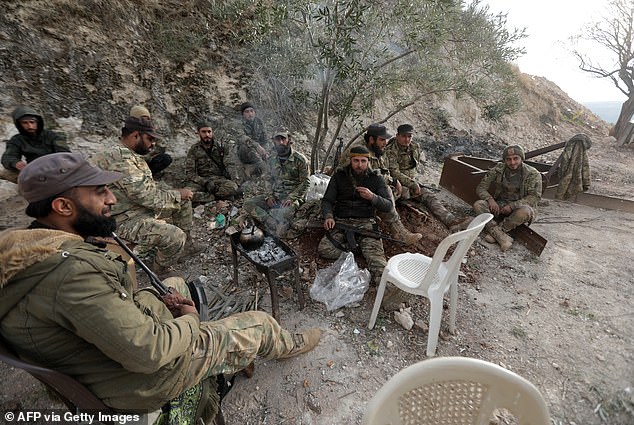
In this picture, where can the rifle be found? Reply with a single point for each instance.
(196, 291)
(338, 153)
(350, 231)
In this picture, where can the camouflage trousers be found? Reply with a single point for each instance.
(230, 344)
(272, 218)
(429, 200)
(371, 249)
(8, 175)
(154, 237)
(519, 216)
(221, 188)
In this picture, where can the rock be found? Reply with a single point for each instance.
(404, 318)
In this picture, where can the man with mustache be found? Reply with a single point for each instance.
(32, 141)
(145, 206)
(69, 304)
(287, 189)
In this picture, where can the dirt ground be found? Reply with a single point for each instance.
(563, 320)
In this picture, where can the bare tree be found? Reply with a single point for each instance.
(615, 34)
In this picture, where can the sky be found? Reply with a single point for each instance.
(548, 24)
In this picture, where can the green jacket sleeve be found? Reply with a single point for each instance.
(94, 305)
(11, 155)
(482, 190)
(395, 169)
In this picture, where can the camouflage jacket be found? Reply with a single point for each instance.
(379, 163)
(203, 163)
(403, 162)
(137, 192)
(530, 189)
(23, 145)
(255, 130)
(290, 179)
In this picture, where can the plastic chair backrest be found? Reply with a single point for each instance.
(464, 239)
(74, 395)
(455, 390)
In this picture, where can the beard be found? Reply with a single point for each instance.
(359, 175)
(377, 150)
(89, 224)
(283, 150)
(140, 147)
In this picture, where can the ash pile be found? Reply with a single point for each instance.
(269, 253)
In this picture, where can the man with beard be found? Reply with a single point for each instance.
(157, 159)
(510, 191)
(375, 140)
(254, 128)
(144, 205)
(404, 158)
(287, 188)
(207, 167)
(32, 142)
(69, 304)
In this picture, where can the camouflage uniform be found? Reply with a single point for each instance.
(254, 128)
(522, 193)
(288, 180)
(143, 205)
(342, 203)
(403, 162)
(24, 145)
(208, 172)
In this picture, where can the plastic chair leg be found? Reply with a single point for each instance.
(453, 307)
(435, 316)
(377, 303)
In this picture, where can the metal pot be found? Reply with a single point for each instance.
(251, 237)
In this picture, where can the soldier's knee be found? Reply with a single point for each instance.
(327, 250)
(481, 206)
(523, 214)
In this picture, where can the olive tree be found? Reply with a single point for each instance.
(614, 34)
(338, 58)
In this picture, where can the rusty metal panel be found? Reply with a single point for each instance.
(596, 201)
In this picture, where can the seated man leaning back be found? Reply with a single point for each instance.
(207, 167)
(353, 196)
(145, 205)
(510, 191)
(69, 305)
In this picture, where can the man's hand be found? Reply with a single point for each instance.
(506, 210)
(271, 201)
(329, 223)
(177, 304)
(286, 203)
(399, 189)
(262, 152)
(186, 194)
(494, 207)
(417, 192)
(365, 193)
(20, 165)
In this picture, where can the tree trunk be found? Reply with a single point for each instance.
(622, 123)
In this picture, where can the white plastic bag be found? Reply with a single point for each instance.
(317, 186)
(340, 284)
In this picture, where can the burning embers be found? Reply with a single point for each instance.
(268, 253)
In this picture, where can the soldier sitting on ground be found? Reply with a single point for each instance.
(287, 190)
(375, 139)
(403, 159)
(208, 167)
(32, 141)
(144, 205)
(510, 191)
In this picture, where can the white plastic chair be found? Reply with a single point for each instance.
(431, 277)
(455, 391)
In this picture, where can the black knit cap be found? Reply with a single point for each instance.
(246, 105)
(378, 130)
(405, 129)
(359, 151)
(203, 124)
(142, 125)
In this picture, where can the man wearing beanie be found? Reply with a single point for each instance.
(143, 205)
(208, 167)
(254, 127)
(156, 159)
(510, 191)
(31, 142)
(403, 159)
(375, 139)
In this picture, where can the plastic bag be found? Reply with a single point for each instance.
(340, 284)
(317, 186)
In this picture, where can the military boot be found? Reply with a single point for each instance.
(459, 224)
(501, 237)
(304, 342)
(400, 232)
(192, 247)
